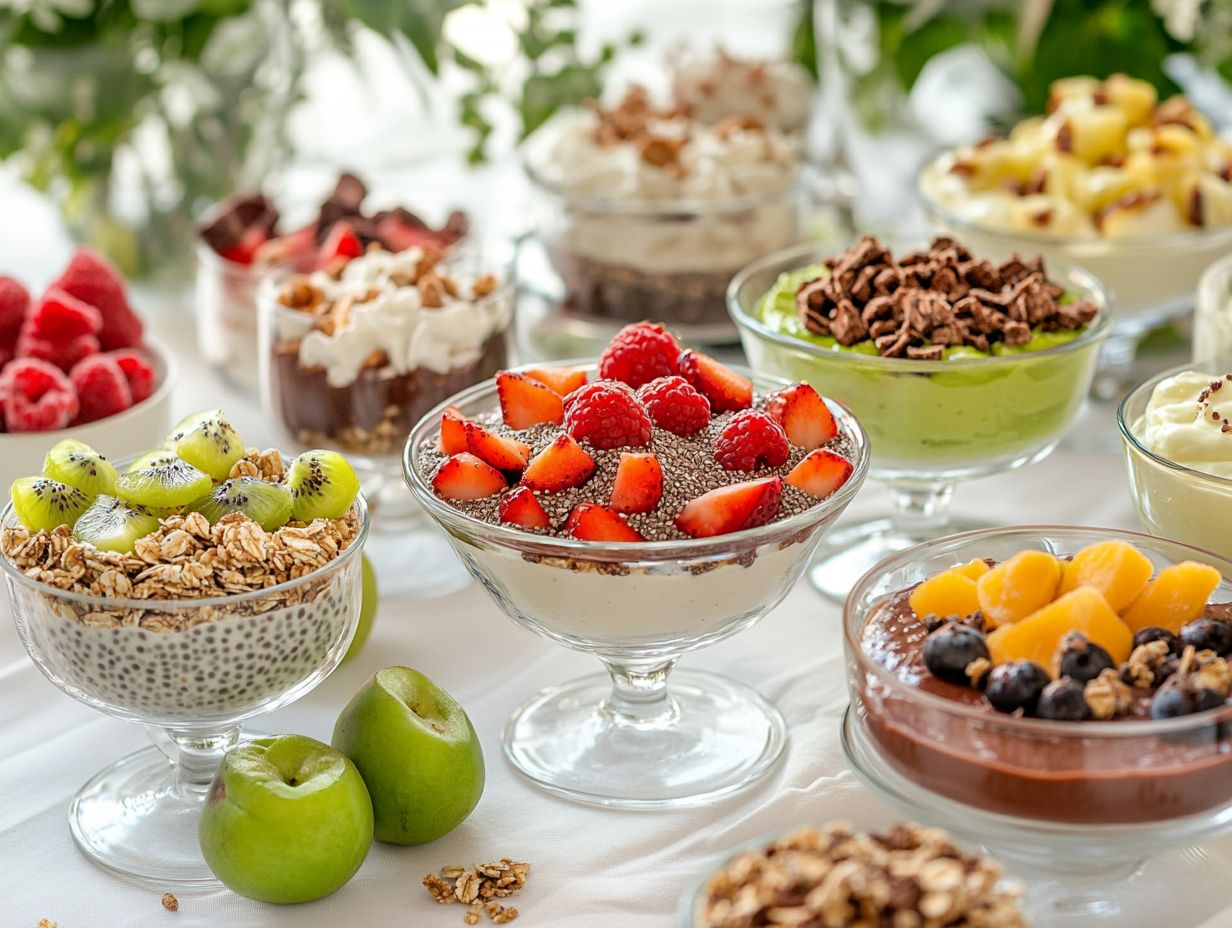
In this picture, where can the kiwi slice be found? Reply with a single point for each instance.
(163, 483)
(77, 464)
(208, 441)
(149, 459)
(323, 484)
(263, 502)
(43, 503)
(112, 525)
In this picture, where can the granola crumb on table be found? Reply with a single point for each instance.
(170, 903)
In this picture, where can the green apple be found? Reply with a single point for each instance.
(287, 819)
(417, 752)
(367, 612)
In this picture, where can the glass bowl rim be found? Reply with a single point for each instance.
(1187, 238)
(1135, 444)
(108, 603)
(1092, 336)
(1038, 728)
(625, 551)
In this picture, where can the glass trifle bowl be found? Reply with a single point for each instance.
(1075, 806)
(138, 646)
(353, 362)
(932, 423)
(624, 737)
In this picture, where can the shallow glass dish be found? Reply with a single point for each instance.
(624, 738)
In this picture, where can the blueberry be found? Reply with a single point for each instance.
(1209, 635)
(1155, 633)
(1173, 700)
(1016, 685)
(1083, 660)
(1063, 701)
(1207, 699)
(949, 650)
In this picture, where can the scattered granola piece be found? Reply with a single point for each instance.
(170, 903)
(479, 887)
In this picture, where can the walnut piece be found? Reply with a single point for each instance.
(479, 887)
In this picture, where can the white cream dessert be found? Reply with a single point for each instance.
(715, 86)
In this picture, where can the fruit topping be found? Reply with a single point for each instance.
(674, 405)
(137, 371)
(564, 380)
(974, 568)
(268, 504)
(949, 593)
(464, 477)
(37, 396)
(112, 525)
(502, 453)
(1177, 595)
(453, 431)
(342, 242)
(951, 653)
(559, 466)
(1081, 660)
(591, 522)
(608, 415)
(804, 416)
(1208, 635)
(1038, 636)
(1016, 686)
(1018, 586)
(164, 482)
(820, 473)
(323, 484)
(14, 301)
(1154, 633)
(525, 401)
(41, 503)
(751, 440)
(732, 508)
(638, 486)
(101, 387)
(77, 464)
(60, 317)
(726, 390)
(1117, 569)
(92, 279)
(522, 508)
(638, 354)
(1179, 697)
(1063, 700)
(208, 441)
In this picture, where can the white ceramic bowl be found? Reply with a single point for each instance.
(144, 425)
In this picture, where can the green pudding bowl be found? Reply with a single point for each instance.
(931, 424)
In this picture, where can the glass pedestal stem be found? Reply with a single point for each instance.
(640, 697)
(922, 510)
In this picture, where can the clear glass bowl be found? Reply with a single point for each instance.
(1081, 800)
(1175, 501)
(931, 423)
(1212, 334)
(190, 670)
(369, 418)
(623, 738)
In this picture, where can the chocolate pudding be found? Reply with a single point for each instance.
(1090, 772)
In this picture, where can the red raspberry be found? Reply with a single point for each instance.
(608, 415)
(751, 440)
(138, 370)
(13, 303)
(93, 279)
(102, 388)
(675, 405)
(38, 397)
(638, 354)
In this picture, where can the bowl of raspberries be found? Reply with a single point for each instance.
(77, 358)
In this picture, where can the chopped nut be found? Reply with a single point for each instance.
(1107, 696)
(479, 887)
(170, 903)
(484, 285)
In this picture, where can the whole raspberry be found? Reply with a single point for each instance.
(675, 405)
(608, 415)
(638, 354)
(751, 440)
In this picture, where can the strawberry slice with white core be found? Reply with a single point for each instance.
(804, 416)
(726, 390)
(732, 508)
(564, 380)
(502, 453)
(638, 486)
(592, 522)
(525, 401)
(561, 465)
(820, 473)
(521, 508)
(453, 431)
(464, 477)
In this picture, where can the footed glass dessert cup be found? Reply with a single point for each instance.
(1077, 808)
(931, 424)
(190, 670)
(625, 738)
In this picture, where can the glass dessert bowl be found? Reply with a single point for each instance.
(1179, 453)
(353, 363)
(598, 586)
(188, 624)
(1078, 803)
(932, 422)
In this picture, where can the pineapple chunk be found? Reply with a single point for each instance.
(1094, 134)
(1134, 97)
(1038, 637)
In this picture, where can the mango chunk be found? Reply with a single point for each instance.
(1116, 568)
(1018, 586)
(1176, 596)
(1038, 637)
(974, 569)
(948, 593)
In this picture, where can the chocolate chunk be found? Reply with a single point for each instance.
(1017, 333)
(847, 325)
(925, 353)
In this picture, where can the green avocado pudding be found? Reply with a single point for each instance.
(952, 364)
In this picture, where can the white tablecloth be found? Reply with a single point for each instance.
(596, 868)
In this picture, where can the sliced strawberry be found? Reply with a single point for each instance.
(342, 242)
(820, 473)
(521, 508)
(501, 453)
(464, 476)
(591, 522)
(564, 380)
(453, 431)
(559, 466)
(639, 483)
(732, 508)
(726, 390)
(525, 401)
(804, 416)
(244, 250)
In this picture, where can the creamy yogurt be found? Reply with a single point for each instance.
(716, 86)
(1189, 421)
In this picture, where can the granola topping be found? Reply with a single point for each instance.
(479, 888)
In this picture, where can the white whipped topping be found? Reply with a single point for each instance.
(716, 86)
(396, 322)
(1189, 421)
